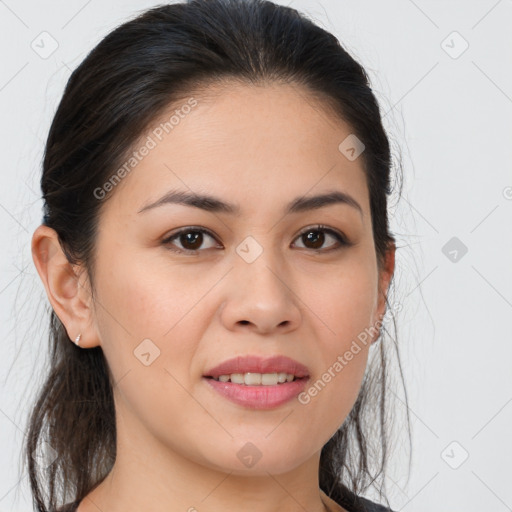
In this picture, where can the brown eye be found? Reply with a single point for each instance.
(192, 240)
(315, 238)
(189, 240)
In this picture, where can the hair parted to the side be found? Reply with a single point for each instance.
(127, 81)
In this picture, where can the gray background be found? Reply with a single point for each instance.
(448, 111)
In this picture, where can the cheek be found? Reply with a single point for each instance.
(146, 298)
(139, 313)
(149, 329)
(343, 302)
(343, 307)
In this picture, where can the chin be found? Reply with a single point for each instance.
(258, 457)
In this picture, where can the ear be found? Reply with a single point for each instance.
(385, 276)
(67, 286)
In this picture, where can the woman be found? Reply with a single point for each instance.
(216, 245)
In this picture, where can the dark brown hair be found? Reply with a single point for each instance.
(127, 81)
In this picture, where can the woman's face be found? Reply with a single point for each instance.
(262, 280)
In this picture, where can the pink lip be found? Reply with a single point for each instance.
(258, 397)
(256, 364)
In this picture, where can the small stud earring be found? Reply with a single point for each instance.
(77, 339)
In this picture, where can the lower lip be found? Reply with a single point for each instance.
(258, 397)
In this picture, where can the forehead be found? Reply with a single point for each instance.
(256, 142)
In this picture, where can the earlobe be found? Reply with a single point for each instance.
(69, 299)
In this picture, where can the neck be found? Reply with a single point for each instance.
(149, 477)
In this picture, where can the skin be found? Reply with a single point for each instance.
(260, 148)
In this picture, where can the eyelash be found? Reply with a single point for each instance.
(341, 239)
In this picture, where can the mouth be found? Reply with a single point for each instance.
(257, 383)
(257, 379)
(252, 395)
(254, 370)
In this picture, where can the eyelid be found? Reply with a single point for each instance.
(167, 240)
(339, 236)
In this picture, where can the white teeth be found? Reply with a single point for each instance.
(257, 379)
(281, 377)
(237, 378)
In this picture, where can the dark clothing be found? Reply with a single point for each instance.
(369, 506)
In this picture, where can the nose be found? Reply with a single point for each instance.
(260, 298)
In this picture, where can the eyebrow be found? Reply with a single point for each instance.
(212, 204)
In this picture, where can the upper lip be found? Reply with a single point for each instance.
(257, 364)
